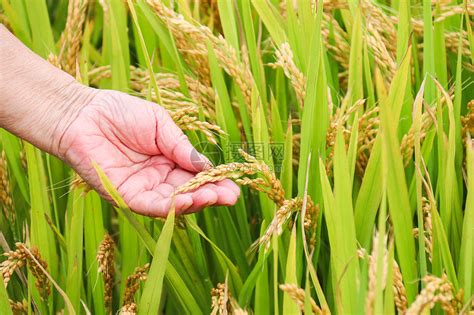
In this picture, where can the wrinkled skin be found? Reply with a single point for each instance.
(144, 154)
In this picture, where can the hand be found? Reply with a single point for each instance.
(144, 154)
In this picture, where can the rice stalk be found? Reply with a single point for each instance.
(267, 183)
(368, 129)
(222, 301)
(449, 11)
(133, 284)
(407, 145)
(284, 60)
(54, 60)
(338, 44)
(186, 119)
(383, 54)
(428, 228)
(5, 190)
(451, 38)
(467, 121)
(339, 120)
(19, 258)
(437, 290)
(296, 148)
(105, 259)
(23, 160)
(400, 293)
(400, 296)
(370, 299)
(128, 309)
(298, 296)
(19, 307)
(282, 215)
(192, 39)
(72, 35)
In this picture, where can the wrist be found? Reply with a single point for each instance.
(65, 107)
(37, 101)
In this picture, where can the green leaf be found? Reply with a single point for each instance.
(4, 304)
(286, 175)
(466, 263)
(41, 32)
(398, 199)
(74, 240)
(272, 20)
(355, 85)
(151, 297)
(289, 305)
(226, 14)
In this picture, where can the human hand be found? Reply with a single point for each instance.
(144, 154)
(136, 143)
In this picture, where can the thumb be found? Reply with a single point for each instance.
(175, 145)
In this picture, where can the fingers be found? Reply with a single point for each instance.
(227, 183)
(157, 199)
(174, 144)
(218, 194)
(202, 198)
(178, 177)
(153, 204)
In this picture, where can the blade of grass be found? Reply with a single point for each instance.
(151, 296)
(289, 305)
(397, 191)
(272, 20)
(41, 32)
(93, 234)
(417, 121)
(4, 303)
(466, 263)
(74, 240)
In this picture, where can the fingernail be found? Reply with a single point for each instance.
(207, 163)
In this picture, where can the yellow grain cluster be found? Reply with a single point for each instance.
(105, 259)
(23, 256)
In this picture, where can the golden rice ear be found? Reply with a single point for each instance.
(282, 216)
(106, 262)
(437, 290)
(298, 295)
(192, 41)
(6, 199)
(71, 38)
(31, 257)
(132, 285)
(284, 59)
(400, 293)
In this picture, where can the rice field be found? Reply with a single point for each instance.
(347, 124)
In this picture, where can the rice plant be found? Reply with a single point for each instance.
(348, 125)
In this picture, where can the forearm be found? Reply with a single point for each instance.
(37, 100)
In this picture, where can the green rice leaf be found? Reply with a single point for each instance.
(272, 20)
(151, 297)
(4, 304)
(289, 305)
(466, 263)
